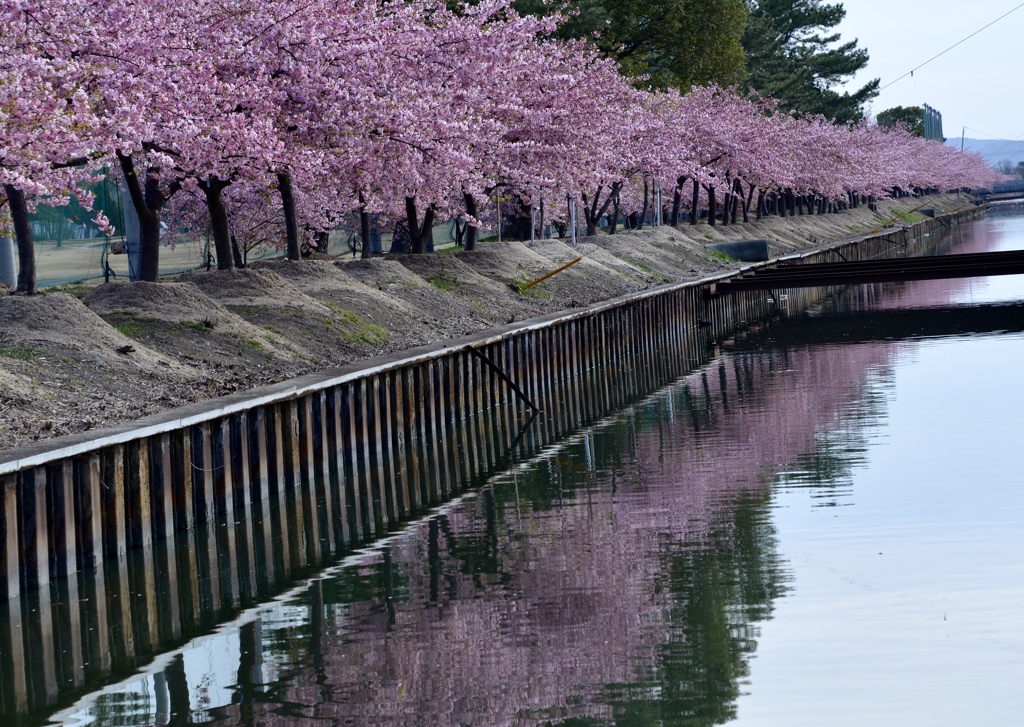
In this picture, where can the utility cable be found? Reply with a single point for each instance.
(911, 71)
(979, 131)
(1011, 141)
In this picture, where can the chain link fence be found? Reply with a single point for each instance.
(93, 260)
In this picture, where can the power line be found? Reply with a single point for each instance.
(993, 136)
(962, 40)
(1005, 155)
(1005, 145)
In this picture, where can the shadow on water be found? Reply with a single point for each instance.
(613, 576)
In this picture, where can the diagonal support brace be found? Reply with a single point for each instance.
(503, 376)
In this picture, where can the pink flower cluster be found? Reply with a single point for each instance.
(396, 108)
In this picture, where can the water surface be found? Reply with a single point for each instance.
(821, 526)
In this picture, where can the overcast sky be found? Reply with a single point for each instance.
(978, 84)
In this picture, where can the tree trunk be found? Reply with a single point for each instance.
(23, 233)
(472, 231)
(418, 234)
(760, 204)
(214, 188)
(323, 241)
(148, 200)
(291, 216)
(364, 228)
(746, 206)
(726, 200)
(236, 253)
(615, 215)
(412, 220)
(521, 220)
(427, 231)
(695, 201)
(590, 214)
(643, 212)
(712, 205)
(677, 201)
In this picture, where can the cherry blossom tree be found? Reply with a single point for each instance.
(49, 125)
(286, 118)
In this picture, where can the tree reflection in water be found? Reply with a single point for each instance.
(617, 578)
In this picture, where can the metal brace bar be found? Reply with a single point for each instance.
(503, 376)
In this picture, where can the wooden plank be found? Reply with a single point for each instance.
(10, 555)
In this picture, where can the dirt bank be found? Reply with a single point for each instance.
(79, 358)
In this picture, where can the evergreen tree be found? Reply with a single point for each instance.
(911, 117)
(793, 55)
(670, 43)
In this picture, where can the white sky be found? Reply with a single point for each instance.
(977, 84)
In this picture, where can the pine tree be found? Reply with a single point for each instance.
(793, 56)
(665, 43)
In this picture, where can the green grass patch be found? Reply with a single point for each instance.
(910, 218)
(638, 264)
(131, 329)
(443, 280)
(251, 344)
(722, 256)
(75, 289)
(20, 353)
(538, 291)
(357, 330)
(202, 326)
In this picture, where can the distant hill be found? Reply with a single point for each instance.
(994, 150)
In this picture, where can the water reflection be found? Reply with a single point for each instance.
(620, 577)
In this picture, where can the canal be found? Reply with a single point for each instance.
(822, 524)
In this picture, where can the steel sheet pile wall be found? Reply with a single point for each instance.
(120, 546)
